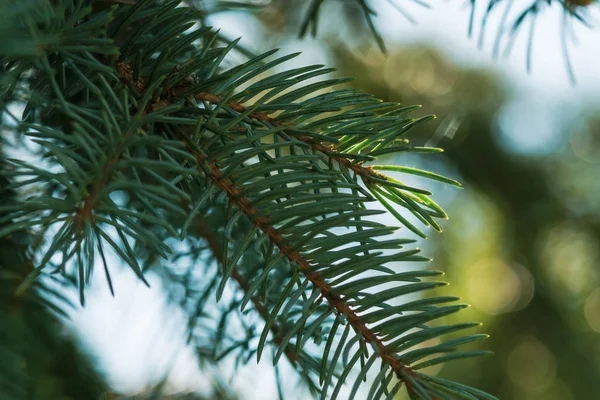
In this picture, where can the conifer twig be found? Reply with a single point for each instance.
(126, 72)
(204, 230)
(262, 222)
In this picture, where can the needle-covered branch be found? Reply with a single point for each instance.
(147, 127)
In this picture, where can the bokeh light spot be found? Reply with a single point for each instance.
(531, 366)
(496, 287)
(528, 127)
(570, 256)
(585, 142)
(592, 310)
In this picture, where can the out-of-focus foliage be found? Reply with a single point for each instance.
(39, 359)
(504, 21)
(519, 18)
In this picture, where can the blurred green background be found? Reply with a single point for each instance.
(522, 242)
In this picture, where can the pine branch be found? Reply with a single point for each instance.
(574, 11)
(304, 266)
(177, 123)
(365, 173)
(205, 231)
(235, 194)
(311, 19)
(376, 182)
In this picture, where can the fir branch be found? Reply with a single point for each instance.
(573, 11)
(371, 178)
(235, 194)
(204, 230)
(143, 109)
(85, 213)
(330, 151)
(125, 70)
(335, 301)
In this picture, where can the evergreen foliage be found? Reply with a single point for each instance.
(39, 362)
(507, 30)
(515, 17)
(155, 146)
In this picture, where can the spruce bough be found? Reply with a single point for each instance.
(157, 148)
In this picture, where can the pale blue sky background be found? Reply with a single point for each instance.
(140, 337)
